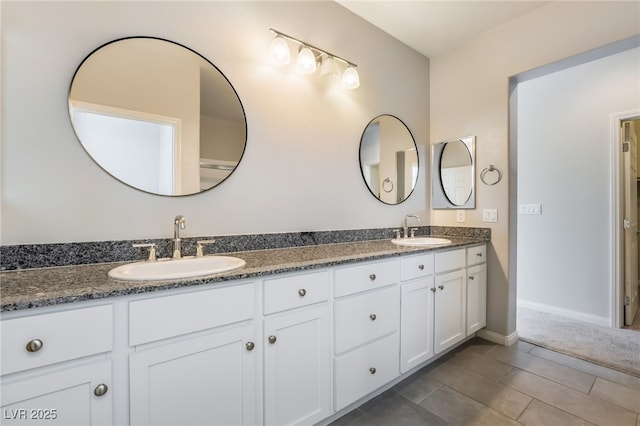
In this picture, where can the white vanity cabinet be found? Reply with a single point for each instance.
(450, 299)
(417, 304)
(366, 329)
(195, 361)
(54, 368)
(297, 349)
(476, 288)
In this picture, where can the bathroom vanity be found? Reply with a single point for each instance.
(298, 336)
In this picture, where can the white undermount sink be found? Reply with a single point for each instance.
(420, 241)
(165, 269)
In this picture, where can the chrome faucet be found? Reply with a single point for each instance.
(405, 227)
(178, 224)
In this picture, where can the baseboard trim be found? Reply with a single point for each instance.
(499, 338)
(568, 313)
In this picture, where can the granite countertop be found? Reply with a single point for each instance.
(34, 288)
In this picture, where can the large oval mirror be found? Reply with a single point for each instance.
(389, 159)
(157, 116)
(453, 174)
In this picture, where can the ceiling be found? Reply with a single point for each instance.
(433, 27)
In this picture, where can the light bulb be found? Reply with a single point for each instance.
(350, 78)
(306, 61)
(279, 51)
(329, 66)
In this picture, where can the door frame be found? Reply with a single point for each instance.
(617, 251)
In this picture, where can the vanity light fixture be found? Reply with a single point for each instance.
(308, 58)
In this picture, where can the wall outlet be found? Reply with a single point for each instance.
(460, 216)
(530, 209)
(490, 215)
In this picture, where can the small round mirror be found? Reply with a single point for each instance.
(157, 116)
(389, 159)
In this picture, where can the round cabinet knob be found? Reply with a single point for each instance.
(372, 277)
(479, 254)
(272, 339)
(35, 345)
(302, 292)
(421, 267)
(250, 346)
(441, 287)
(101, 389)
(373, 317)
(471, 277)
(432, 289)
(372, 370)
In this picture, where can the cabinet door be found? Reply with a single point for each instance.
(206, 380)
(450, 304)
(65, 397)
(297, 362)
(476, 298)
(416, 323)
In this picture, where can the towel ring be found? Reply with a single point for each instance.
(489, 169)
(386, 183)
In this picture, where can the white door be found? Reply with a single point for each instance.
(416, 323)
(206, 380)
(297, 363)
(450, 302)
(630, 211)
(73, 396)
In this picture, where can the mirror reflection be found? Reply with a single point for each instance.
(389, 159)
(157, 116)
(453, 174)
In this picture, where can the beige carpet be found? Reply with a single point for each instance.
(615, 348)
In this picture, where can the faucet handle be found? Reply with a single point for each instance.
(152, 250)
(413, 232)
(397, 231)
(199, 251)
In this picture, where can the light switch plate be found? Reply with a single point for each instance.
(490, 215)
(460, 216)
(530, 209)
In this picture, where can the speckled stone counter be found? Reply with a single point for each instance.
(32, 288)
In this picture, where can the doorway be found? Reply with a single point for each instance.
(629, 134)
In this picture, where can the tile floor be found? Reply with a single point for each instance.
(485, 384)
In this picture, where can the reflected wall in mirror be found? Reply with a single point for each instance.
(453, 174)
(389, 159)
(157, 116)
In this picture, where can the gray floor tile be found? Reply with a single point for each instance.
(417, 387)
(459, 409)
(484, 365)
(392, 409)
(505, 400)
(574, 402)
(355, 418)
(551, 370)
(588, 367)
(540, 414)
(617, 394)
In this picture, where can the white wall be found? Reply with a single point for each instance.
(470, 96)
(300, 170)
(564, 163)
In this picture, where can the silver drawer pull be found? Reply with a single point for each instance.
(421, 267)
(479, 254)
(35, 345)
(250, 346)
(441, 287)
(100, 390)
(471, 277)
(372, 277)
(373, 317)
(272, 339)
(432, 289)
(302, 292)
(372, 370)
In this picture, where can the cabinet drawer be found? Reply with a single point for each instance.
(295, 291)
(449, 260)
(476, 255)
(170, 316)
(366, 369)
(416, 266)
(366, 276)
(365, 317)
(64, 335)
